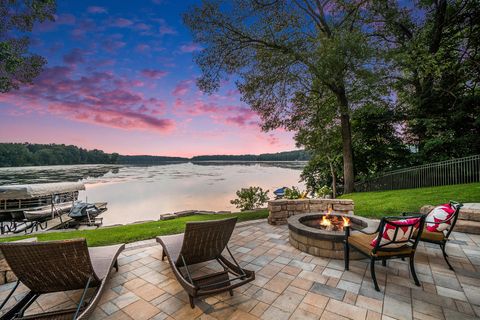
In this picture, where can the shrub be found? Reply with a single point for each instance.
(323, 192)
(250, 198)
(295, 193)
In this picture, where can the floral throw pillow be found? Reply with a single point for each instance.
(403, 233)
(436, 217)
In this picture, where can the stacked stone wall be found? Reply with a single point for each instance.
(281, 210)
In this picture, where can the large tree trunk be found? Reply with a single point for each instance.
(348, 173)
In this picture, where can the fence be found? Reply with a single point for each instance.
(455, 171)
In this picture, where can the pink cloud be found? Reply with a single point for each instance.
(182, 88)
(190, 47)
(153, 74)
(100, 98)
(141, 27)
(96, 9)
(240, 116)
(122, 23)
(164, 28)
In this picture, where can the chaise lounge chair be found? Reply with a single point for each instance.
(55, 266)
(204, 241)
(394, 238)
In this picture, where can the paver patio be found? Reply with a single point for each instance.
(291, 284)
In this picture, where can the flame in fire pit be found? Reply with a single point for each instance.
(329, 222)
(326, 221)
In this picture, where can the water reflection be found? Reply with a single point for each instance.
(137, 193)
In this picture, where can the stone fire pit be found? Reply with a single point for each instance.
(307, 236)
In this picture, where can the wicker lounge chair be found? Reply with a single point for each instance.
(55, 266)
(402, 243)
(439, 237)
(204, 241)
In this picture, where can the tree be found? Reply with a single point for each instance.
(320, 133)
(250, 198)
(17, 17)
(277, 49)
(433, 49)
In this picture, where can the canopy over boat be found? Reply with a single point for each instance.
(28, 191)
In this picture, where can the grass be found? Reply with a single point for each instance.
(383, 203)
(137, 232)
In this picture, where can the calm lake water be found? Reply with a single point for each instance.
(138, 193)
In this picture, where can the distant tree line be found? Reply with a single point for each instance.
(297, 155)
(26, 154)
(149, 160)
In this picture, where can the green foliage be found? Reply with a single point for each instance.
(295, 193)
(137, 232)
(250, 198)
(377, 144)
(434, 61)
(386, 203)
(25, 154)
(323, 192)
(17, 18)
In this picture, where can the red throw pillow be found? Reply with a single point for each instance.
(436, 217)
(388, 233)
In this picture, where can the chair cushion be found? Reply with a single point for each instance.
(431, 235)
(172, 245)
(435, 219)
(388, 234)
(363, 242)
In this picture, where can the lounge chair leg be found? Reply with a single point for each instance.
(372, 272)
(231, 292)
(163, 255)
(384, 262)
(346, 258)
(9, 295)
(191, 301)
(412, 270)
(445, 255)
(21, 306)
(116, 265)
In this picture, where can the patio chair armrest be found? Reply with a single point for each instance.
(364, 232)
(411, 213)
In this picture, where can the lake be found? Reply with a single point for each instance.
(138, 193)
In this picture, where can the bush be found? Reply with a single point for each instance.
(250, 198)
(323, 192)
(295, 193)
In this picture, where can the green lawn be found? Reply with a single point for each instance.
(381, 203)
(136, 232)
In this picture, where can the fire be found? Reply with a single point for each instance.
(346, 221)
(331, 222)
(326, 221)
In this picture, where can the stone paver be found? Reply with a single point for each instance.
(290, 284)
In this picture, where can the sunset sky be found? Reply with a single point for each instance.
(120, 77)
